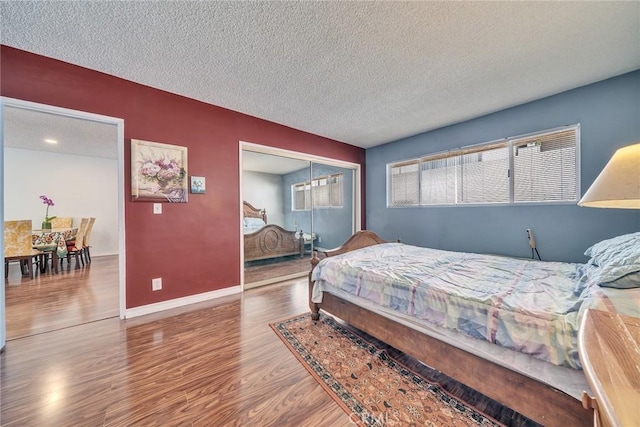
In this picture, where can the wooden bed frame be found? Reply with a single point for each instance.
(538, 401)
(271, 241)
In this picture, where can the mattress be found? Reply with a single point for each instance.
(528, 306)
(568, 380)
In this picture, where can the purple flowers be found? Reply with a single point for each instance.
(47, 201)
(161, 170)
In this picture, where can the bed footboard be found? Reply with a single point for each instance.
(272, 241)
(360, 239)
(538, 401)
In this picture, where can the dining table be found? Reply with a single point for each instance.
(50, 237)
(46, 241)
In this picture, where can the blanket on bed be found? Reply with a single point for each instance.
(525, 305)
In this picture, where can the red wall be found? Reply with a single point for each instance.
(195, 246)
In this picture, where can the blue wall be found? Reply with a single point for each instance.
(609, 116)
(332, 225)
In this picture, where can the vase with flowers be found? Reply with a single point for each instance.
(46, 224)
(161, 172)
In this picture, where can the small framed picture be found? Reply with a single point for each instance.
(197, 185)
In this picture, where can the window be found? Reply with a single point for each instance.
(438, 181)
(325, 191)
(335, 190)
(541, 167)
(404, 184)
(545, 167)
(302, 196)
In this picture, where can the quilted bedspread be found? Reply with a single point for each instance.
(525, 305)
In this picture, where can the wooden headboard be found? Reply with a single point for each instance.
(248, 211)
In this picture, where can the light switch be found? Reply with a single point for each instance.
(157, 208)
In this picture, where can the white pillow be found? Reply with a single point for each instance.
(629, 281)
(615, 257)
(254, 222)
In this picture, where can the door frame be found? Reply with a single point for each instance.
(44, 108)
(264, 149)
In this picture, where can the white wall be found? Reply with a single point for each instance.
(79, 186)
(264, 190)
(3, 323)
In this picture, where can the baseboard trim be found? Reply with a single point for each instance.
(274, 280)
(180, 302)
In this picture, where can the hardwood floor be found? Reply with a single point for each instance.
(265, 272)
(50, 302)
(211, 364)
(54, 301)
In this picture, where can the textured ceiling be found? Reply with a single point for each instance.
(28, 130)
(364, 73)
(268, 163)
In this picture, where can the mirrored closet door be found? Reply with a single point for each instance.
(272, 246)
(292, 206)
(332, 201)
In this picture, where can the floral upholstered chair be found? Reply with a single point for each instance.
(17, 246)
(87, 236)
(75, 247)
(61, 222)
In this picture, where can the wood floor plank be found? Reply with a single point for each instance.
(168, 411)
(41, 418)
(55, 301)
(214, 363)
(83, 401)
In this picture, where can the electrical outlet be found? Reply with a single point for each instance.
(156, 284)
(157, 208)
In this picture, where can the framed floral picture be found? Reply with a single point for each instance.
(158, 172)
(197, 184)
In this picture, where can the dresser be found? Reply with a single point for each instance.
(609, 346)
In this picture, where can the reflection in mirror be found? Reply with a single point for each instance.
(273, 249)
(285, 196)
(262, 183)
(332, 202)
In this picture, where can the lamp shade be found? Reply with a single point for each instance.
(618, 185)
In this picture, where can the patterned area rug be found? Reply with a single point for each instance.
(374, 386)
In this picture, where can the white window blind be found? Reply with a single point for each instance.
(405, 184)
(484, 176)
(541, 167)
(301, 196)
(471, 176)
(327, 192)
(438, 178)
(320, 188)
(336, 190)
(545, 167)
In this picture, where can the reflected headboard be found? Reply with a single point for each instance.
(248, 211)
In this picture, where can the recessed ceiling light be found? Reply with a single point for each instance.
(51, 141)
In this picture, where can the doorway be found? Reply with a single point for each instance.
(89, 148)
(316, 199)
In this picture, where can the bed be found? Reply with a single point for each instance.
(265, 241)
(502, 349)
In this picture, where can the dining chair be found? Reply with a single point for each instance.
(85, 245)
(76, 247)
(53, 244)
(17, 246)
(62, 222)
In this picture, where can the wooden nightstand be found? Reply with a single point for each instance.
(609, 346)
